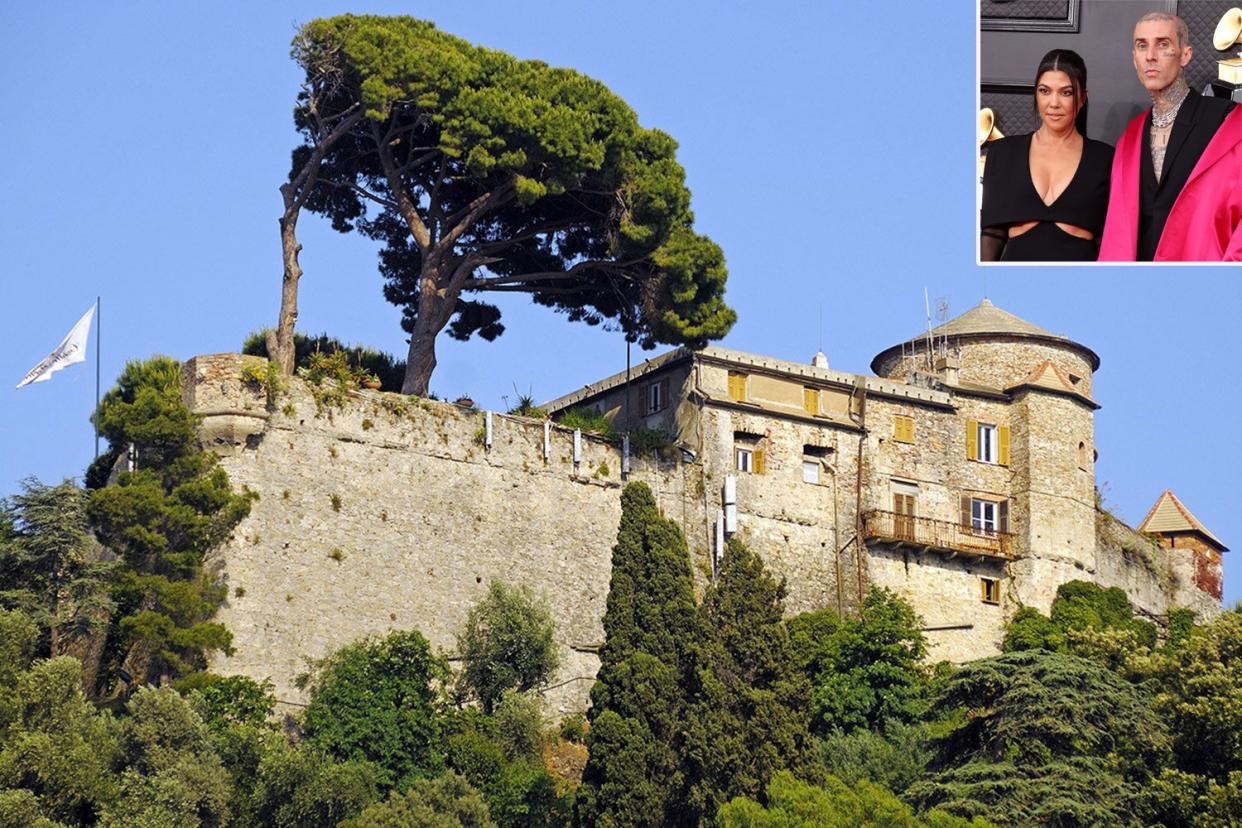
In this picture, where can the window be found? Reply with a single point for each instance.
(810, 471)
(903, 522)
(983, 516)
(810, 400)
(747, 454)
(903, 429)
(989, 589)
(655, 401)
(1084, 456)
(987, 443)
(737, 386)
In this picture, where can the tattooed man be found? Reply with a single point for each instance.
(1176, 192)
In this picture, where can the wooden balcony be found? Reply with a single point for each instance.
(938, 535)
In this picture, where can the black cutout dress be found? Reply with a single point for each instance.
(1009, 197)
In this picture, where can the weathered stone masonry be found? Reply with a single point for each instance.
(390, 512)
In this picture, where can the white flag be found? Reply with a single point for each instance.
(70, 351)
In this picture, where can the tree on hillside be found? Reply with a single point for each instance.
(633, 774)
(378, 700)
(46, 565)
(865, 671)
(162, 518)
(480, 173)
(1039, 738)
(748, 718)
(507, 645)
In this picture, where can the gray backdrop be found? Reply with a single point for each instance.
(1007, 61)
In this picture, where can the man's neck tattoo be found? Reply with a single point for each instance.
(1165, 105)
(1167, 102)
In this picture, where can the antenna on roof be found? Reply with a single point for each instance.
(927, 308)
(820, 346)
(942, 316)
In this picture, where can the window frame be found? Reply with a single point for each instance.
(655, 397)
(989, 590)
(987, 440)
(813, 466)
(979, 519)
(746, 452)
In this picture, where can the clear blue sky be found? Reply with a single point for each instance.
(831, 154)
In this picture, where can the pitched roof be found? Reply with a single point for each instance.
(1171, 515)
(1049, 377)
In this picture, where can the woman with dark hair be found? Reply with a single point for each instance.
(1045, 193)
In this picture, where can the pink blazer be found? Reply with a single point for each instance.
(1205, 224)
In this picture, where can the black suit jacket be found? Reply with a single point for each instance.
(1197, 121)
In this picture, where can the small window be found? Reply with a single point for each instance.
(987, 444)
(1084, 456)
(810, 400)
(1075, 379)
(810, 471)
(655, 401)
(903, 429)
(989, 589)
(745, 459)
(737, 386)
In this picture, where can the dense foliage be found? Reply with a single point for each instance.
(507, 645)
(746, 718)
(49, 567)
(479, 173)
(634, 775)
(377, 701)
(161, 518)
(866, 671)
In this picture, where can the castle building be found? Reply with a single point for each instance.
(961, 475)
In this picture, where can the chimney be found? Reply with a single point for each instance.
(946, 367)
(820, 360)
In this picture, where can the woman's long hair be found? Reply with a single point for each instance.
(1071, 63)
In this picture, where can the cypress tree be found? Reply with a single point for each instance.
(633, 776)
(748, 720)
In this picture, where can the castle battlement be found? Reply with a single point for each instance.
(961, 477)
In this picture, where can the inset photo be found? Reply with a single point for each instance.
(1109, 131)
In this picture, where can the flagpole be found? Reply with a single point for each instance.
(98, 335)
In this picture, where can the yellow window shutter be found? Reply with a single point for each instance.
(972, 439)
(903, 429)
(810, 400)
(737, 387)
(1002, 445)
(758, 461)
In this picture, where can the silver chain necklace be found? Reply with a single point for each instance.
(1160, 121)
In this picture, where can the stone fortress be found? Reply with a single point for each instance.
(960, 475)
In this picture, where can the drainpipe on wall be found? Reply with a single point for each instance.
(860, 387)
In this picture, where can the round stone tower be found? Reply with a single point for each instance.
(1009, 375)
(990, 347)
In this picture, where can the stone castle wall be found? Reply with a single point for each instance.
(389, 512)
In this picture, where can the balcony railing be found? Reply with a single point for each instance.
(940, 535)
